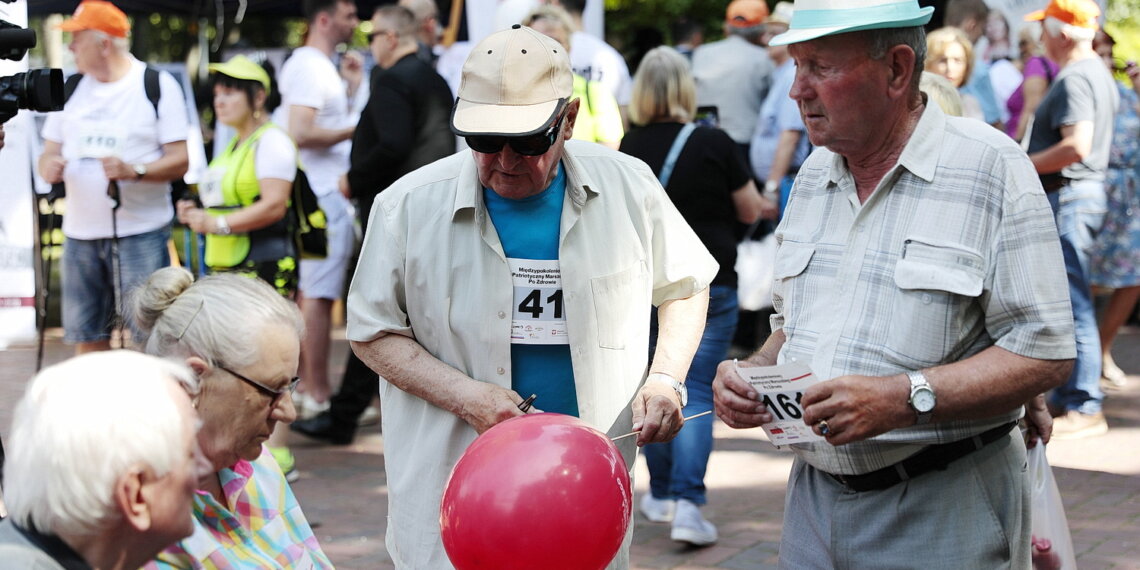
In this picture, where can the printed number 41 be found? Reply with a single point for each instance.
(532, 304)
(784, 406)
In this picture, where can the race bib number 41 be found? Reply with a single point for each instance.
(539, 315)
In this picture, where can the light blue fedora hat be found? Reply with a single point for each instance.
(818, 18)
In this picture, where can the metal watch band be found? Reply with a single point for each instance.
(677, 386)
(918, 383)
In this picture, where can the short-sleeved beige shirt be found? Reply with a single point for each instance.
(432, 268)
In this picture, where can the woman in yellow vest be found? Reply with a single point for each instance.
(245, 193)
(599, 117)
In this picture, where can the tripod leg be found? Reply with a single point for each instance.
(116, 264)
(45, 295)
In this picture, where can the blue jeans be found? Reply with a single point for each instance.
(88, 273)
(1079, 208)
(677, 468)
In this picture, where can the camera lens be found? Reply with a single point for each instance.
(15, 41)
(37, 89)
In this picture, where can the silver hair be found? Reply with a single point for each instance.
(882, 40)
(121, 45)
(1077, 34)
(218, 318)
(421, 9)
(939, 90)
(82, 425)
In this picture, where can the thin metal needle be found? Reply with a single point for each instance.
(694, 416)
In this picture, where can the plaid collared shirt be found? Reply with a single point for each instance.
(955, 251)
(260, 526)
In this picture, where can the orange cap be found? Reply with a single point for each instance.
(98, 15)
(1079, 13)
(746, 13)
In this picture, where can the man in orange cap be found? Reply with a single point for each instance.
(734, 74)
(1069, 145)
(109, 134)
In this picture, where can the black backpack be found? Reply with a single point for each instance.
(307, 221)
(150, 84)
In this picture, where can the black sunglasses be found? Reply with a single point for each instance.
(531, 145)
(274, 395)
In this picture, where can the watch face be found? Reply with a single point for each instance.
(923, 400)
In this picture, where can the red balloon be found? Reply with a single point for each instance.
(537, 491)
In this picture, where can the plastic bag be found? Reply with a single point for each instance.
(754, 272)
(1052, 546)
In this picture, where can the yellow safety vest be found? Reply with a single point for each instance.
(239, 189)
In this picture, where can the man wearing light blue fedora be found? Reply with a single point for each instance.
(919, 273)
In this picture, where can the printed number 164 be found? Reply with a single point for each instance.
(786, 406)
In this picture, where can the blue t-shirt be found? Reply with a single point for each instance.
(528, 229)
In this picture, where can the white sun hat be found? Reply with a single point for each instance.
(818, 18)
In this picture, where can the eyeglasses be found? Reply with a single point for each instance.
(274, 395)
(373, 35)
(532, 145)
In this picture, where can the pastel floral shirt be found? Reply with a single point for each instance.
(260, 526)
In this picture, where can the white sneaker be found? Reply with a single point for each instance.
(370, 417)
(307, 407)
(657, 510)
(689, 526)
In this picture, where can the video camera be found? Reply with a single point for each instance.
(36, 89)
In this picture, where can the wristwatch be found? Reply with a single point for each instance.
(922, 398)
(678, 387)
(222, 226)
(771, 191)
(140, 171)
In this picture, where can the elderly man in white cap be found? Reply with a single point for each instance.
(466, 258)
(919, 274)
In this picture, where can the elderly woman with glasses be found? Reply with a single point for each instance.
(242, 339)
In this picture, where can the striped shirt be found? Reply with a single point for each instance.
(260, 526)
(955, 251)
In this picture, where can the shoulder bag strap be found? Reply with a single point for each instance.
(674, 152)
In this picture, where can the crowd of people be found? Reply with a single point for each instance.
(539, 222)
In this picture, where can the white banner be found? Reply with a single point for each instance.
(17, 230)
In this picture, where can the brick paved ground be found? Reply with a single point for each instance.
(343, 492)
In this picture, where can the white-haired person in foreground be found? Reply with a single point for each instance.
(102, 464)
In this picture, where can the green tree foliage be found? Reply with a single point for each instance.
(625, 17)
(1123, 22)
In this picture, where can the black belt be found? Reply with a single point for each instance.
(1054, 182)
(929, 459)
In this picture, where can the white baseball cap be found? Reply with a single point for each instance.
(515, 83)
